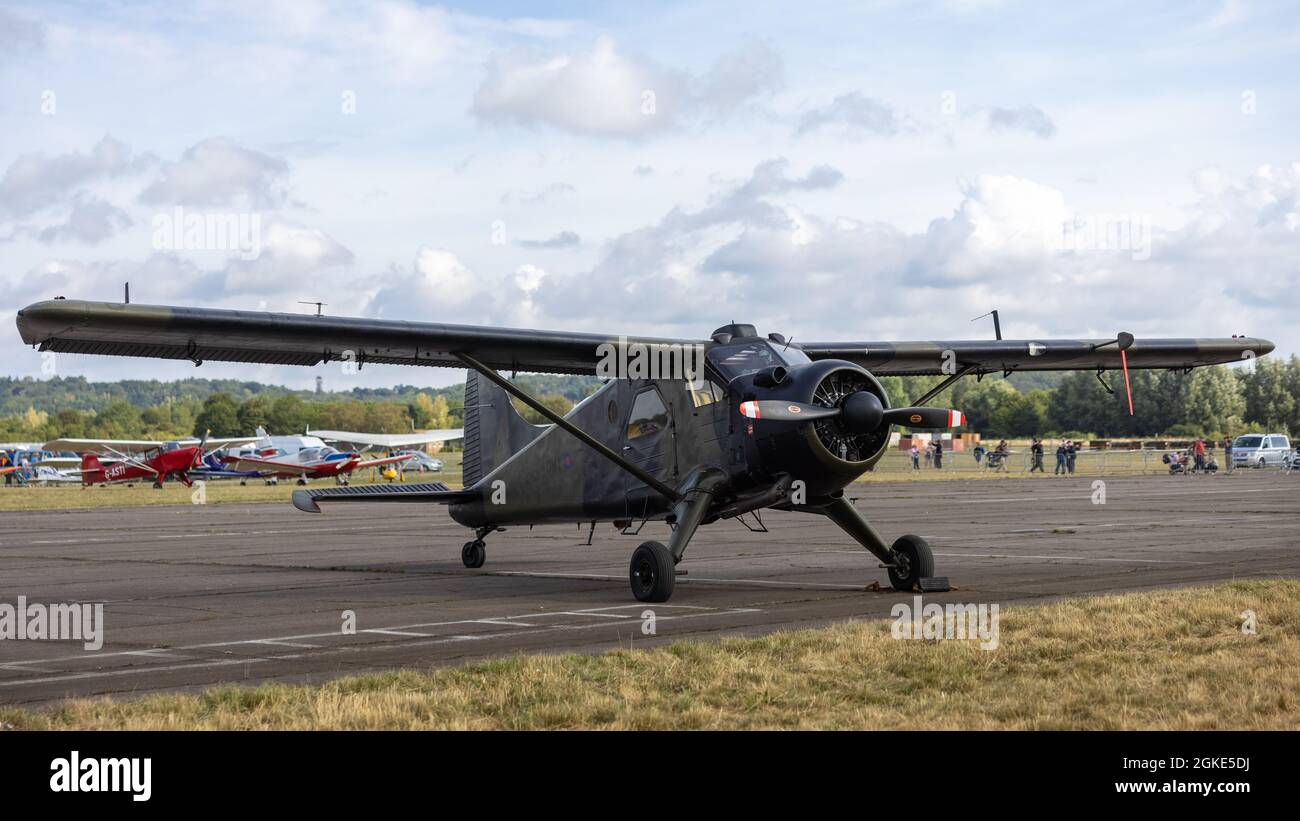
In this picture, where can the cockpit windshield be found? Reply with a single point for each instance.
(749, 357)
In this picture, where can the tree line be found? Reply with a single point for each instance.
(1218, 401)
(1213, 402)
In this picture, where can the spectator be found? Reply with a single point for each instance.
(4, 463)
(1198, 455)
(929, 453)
(1071, 453)
(916, 457)
(1227, 453)
(938, 455)
(1060, 458)
(1037, 450)
(979, 454)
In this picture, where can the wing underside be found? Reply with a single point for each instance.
(1009, 355)
(201, 334)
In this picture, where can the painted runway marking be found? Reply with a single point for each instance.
(398, 633)
(1067, 558)
(134, 671)
(607, 577)
(432, 640)
(412, 631)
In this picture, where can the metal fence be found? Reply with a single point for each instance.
(1096, 462)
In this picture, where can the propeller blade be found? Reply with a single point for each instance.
(781, 411)
(925, 417)
(198, 454)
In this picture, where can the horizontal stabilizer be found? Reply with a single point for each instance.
(435, 492)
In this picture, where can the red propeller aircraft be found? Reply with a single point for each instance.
(138, 459)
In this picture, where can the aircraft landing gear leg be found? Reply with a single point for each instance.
(474, 553)
(909, 559)
(653, 572)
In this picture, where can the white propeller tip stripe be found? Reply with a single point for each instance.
(955, 419)
(749, 409)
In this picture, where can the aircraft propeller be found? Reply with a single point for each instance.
(199, 452)
(861, 412)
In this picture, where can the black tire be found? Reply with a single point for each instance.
(653, 573)
(302, 481)
(914, 561)
(157, 485)
(473, 554)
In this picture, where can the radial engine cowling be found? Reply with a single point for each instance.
(827, 453)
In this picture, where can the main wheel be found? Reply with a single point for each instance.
(474, 553)
(913, 561)
(653, 573)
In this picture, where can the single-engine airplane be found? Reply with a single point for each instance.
(302, 457)
(749, 422)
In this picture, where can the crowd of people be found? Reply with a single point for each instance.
(1199, 457)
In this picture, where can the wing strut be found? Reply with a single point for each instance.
(578, 433)
(938, 389)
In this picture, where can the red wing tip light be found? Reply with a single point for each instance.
(749, 409)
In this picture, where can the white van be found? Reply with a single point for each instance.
(1259, 450)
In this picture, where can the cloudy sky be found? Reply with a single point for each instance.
(862, 170)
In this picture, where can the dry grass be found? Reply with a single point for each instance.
(1170, 659)
(220, 491)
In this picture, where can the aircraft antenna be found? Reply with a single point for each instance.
(997, 325)
(318, 305)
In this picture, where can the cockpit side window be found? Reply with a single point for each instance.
(649, 415)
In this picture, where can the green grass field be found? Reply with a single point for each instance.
(1175, 659)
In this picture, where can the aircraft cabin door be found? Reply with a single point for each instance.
(648, 444)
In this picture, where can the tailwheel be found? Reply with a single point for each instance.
(474, 553)
(653, 573)
(913, 561)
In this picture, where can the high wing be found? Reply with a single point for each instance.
(199, 334)
(104, 447)
(389, 440)
(930, 358)
(128, 447)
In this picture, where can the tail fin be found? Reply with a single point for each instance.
(92, 471)
(494, 430)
